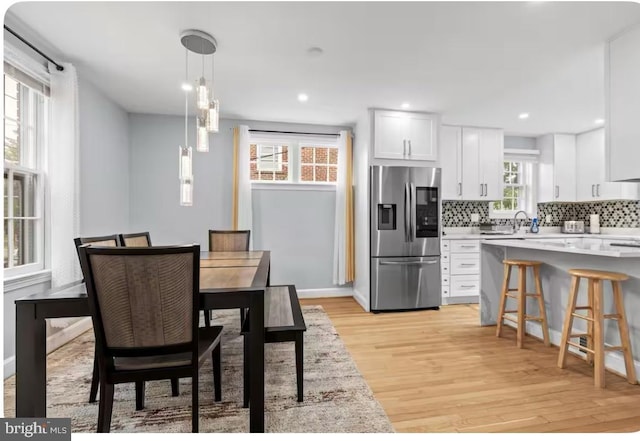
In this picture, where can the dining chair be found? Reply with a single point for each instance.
(228, 240)
(145, 304)
(136, 239)
(108, 241)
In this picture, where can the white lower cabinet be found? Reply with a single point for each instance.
(460, 263)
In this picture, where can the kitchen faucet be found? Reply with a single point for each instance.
(515, 230)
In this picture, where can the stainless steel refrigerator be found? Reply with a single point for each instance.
(405, 238)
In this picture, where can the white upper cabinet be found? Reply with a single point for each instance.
(622, 86)
(591, 171)
(405, 135)
(451, 162)
(482, 163)
(557, 168)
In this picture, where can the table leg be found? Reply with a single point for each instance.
(31, 362)
(256, 369)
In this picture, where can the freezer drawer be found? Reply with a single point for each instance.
(399, 283)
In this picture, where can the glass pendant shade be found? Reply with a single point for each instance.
(185, 164)
(203, 95)
(186, 192)
(213, 115)
(203, 136)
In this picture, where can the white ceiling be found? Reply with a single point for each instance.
(476, 63)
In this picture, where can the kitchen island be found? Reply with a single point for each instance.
(558, 256)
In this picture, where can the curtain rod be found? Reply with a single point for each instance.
(58, 66)
(295, 133)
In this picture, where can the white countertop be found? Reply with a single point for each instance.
(600, 246)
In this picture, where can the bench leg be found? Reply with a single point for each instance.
(245, 375)
(300, 365)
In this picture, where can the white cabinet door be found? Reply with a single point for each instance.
(471, 181)
(590, 166)
(591, 171)
(564, 168)
(622, 86)
(390, 135)
(451, 162)
(491, 162)
(421, 137)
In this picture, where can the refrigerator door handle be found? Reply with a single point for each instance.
(413, 196)
(408, 262)
(407, 212)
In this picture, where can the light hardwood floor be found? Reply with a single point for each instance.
(440, 371)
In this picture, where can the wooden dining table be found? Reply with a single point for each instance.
(230, 279)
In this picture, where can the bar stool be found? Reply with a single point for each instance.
(595, 322)
(521, 295)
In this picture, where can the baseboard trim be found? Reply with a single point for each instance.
(9, 367)
(460, 300)
(361, 299)
(612, 361)
(324, 292)
(67, 334)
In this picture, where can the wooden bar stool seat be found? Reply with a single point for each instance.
(595, 317)
(521, 294)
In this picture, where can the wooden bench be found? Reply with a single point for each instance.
(283, 322)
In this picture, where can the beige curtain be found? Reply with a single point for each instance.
(343, 252)
(241, 211)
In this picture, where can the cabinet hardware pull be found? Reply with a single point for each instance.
(467, 246)
(404, 147)
(467, 264)
(598, 190)
(557, 191)
(459, 188)
(593, 191)
(486, 189)
(481, 190)
(409, 147)
(467, 286)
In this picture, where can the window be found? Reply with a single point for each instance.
(295, 161)
(518, 190)
(24, 136)
(269, 162)
(318, 164)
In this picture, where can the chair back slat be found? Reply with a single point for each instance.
(229, 240)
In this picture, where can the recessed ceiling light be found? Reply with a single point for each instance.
(405, 105)
(599, 121)
(523, 116)
(303, 97)
(186, 87)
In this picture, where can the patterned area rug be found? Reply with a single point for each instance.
(336, 397)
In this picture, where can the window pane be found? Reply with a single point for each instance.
(507, 205)
(306, 173)
(6, 197)
(266, 176)
(333, 156)
(24, 249)
(253, 152)
(284, 153)
(284, 174)
(506, 166)
(11, 87)
(11, 142)
(321, 173)
(306, 155)
(333, 174)
(322, 156)
(11, 108)
(254, 171)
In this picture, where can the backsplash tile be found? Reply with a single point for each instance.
(613, 214)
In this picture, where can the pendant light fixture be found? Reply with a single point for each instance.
(207, 108)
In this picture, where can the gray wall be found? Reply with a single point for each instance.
(519, 142)
(296, 226)
(104, 163)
